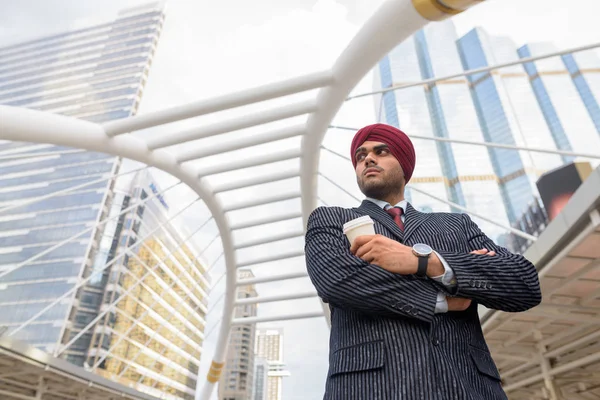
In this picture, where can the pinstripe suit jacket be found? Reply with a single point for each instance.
(386, 341)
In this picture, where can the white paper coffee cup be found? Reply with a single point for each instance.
(359, 227)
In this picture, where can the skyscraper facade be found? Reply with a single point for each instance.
(48, 245)
(238, 377)
(140, 316)
(261, 379)
(269, 346)
(546, 104)
(154, 301)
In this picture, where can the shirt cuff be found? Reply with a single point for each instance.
(447, 279)
(441, 305)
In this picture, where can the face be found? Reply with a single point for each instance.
(378, 173)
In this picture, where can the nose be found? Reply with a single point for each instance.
(370, 159)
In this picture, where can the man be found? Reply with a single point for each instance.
(404, 322)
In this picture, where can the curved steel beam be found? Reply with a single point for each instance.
(392, 23)
(20, 124)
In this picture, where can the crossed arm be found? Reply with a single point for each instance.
(377, 276)
(506, 281)
(346, 281)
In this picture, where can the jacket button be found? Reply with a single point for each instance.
(436, 342)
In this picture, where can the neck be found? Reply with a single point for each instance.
(394, 199)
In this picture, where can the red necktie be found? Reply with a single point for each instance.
(396, 213)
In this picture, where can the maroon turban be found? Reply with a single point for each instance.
(400, 145)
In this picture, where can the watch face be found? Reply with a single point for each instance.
(422, 249)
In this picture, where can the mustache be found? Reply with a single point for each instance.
(373, 167)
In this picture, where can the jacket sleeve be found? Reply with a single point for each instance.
(506, 281)
(346, 281)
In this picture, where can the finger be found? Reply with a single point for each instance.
(360, 241)
(491, 253)
(355, 245)
(369, 257)
(481, 251)
(364, 249)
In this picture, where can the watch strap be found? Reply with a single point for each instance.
(422, 267)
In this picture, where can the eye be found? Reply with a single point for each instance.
(382, 151)
(360, 156)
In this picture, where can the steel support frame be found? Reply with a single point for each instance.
(549, 383)
(393, 22)
(494, 145)
(488, 321)
(592, 358)
(286, 317)
(33, 126)
(552, 312)
(479, 70)
(107, 265)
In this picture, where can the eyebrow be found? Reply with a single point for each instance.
(378, 147)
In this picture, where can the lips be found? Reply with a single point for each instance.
(371, 171)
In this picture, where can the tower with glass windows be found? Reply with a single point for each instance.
(96, 74)
(545, 104)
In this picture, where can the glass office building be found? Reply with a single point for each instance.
(546, 104)
(140, 320)
(98, 74)
(152, 338)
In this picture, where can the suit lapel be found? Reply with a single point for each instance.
(413, 219)
(375, 212)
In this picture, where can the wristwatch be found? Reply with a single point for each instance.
(422, 251)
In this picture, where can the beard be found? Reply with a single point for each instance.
(385, 184)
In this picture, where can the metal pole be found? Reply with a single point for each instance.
(478, 70)
(457, 206)
(548, 381)
(68, 190)
(231, 125)
(34, 155)
(80, 284)
(102, 314)
(233, 100)
(489, 144)
(592, 358)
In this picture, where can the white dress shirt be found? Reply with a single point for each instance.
(447, 279)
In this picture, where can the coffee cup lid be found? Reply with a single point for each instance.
(357, 222)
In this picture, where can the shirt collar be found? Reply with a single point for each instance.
(385, 205)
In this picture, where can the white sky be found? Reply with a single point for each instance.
(212, 48)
